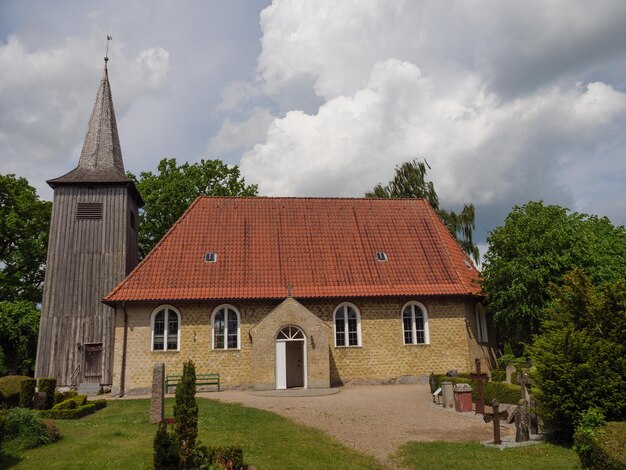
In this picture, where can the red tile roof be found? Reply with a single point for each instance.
(322, 247)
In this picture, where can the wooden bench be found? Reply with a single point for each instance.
(201, 379)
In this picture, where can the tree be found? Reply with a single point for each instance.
(186, 415)
(19, 325)
(537, 245)
(580, 356)
(169, 192)
(24, 226)
(166, 453)
(409, 181)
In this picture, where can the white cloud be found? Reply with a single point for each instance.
(45, 109)
(503, 99)
(245, 134)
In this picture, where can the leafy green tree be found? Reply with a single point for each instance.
(409, 181)
(169, 192)
(580, 356)
(537, 245)
(24, 226)
(19, 325)
(186, 415)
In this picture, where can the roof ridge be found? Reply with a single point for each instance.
(321, 198)
(152, 252)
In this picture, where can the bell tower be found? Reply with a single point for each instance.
(93, 245)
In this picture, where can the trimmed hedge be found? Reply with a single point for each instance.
(75, 413)
(603, 449)
(27, 391)
(10, 387)
(49, 386)
(505, 393)
(62, 396)
(71, 403)
(99, 404)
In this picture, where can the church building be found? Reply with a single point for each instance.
(270, 293)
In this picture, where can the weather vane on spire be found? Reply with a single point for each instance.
(106, 55)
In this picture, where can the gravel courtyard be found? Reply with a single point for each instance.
(375, 419)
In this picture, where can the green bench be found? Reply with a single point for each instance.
(201, 379)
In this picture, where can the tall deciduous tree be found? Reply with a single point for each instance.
(19, 325)
(409, 181)
(169, 192)
(580, 356)
(24, 226)
(537, 245)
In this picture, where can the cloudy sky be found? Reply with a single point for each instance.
(508, 101)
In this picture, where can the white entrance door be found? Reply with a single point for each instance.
(290, 358)
(281, 365)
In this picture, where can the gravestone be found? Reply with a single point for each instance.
(521, 422)
(40, 400)
(524, 382)
(534, 422)
(157, 403)
(510, 370)
(447, 391)
(479, 377)
(496, 416)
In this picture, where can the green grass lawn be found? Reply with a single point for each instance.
(471, 455)
(120, 437)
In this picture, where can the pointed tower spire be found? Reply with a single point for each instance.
(101, 158)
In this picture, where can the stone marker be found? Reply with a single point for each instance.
(510, 370)
(496, 416)
(447, 392)
(479, 377)
(524, 382)
(521, 422)
(157, 403)
(40, 400)
(534, 423)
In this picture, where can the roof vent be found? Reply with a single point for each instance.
(210, 257)
(89, 211)
(381, 256)
(467, 263)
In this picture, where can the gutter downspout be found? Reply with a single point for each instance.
(124, 347)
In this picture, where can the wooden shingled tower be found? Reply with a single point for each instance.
(93, 246)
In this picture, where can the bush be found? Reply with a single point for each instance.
(62, 396)
(10, 387)
(166, 451)
(601, 447)
(27, 391)
(498, 375)
(48, 386)
(75, 413)
(579, 358)
(24, 429)
(230, 458)
(71, 403)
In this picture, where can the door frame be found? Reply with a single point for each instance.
(280, 343)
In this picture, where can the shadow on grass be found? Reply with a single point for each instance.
(8, 460)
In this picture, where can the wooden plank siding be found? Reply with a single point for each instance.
(86, 259)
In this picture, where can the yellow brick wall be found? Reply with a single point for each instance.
(382, 356)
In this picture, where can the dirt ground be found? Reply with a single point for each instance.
(374, 419)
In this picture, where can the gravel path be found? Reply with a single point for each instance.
(375, 419)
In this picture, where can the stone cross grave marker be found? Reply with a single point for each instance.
(521, 422)
(524, 382)
(157, 403)
(479, 377)
(510, 370)
(496, 416)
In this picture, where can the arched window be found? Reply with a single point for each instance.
(415, 324)
(165, 329)
(481, 324)
(225, 328)
(347, 321)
